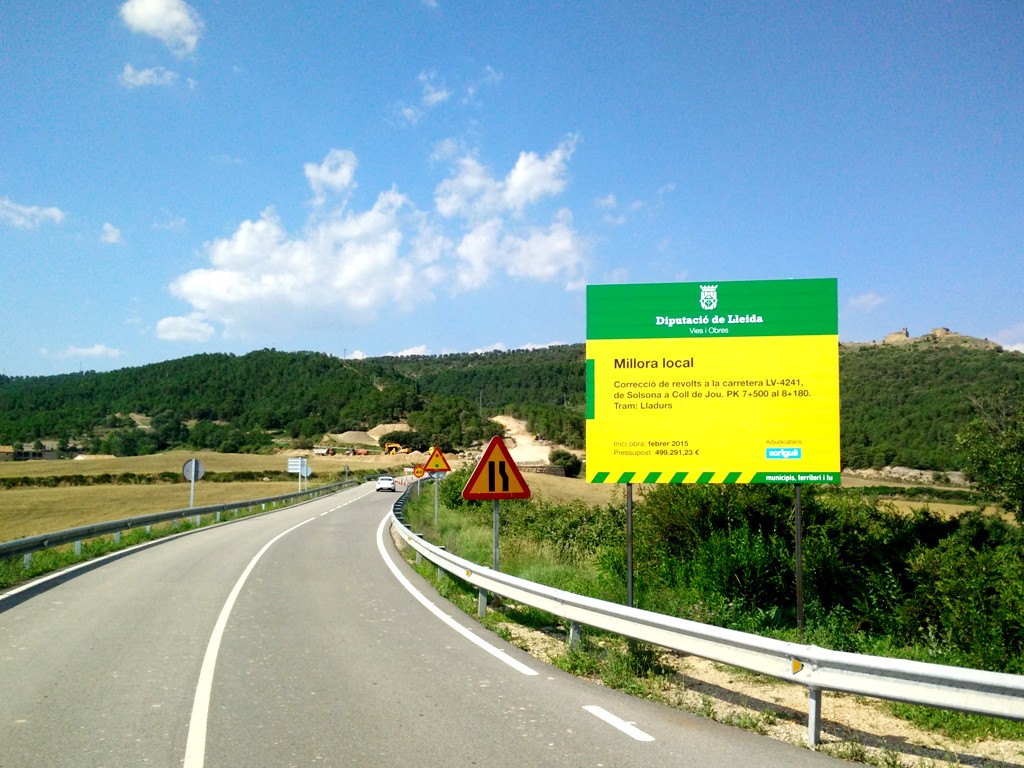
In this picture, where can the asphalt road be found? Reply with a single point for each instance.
(300, 638)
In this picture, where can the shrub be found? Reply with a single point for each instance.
(569, 461)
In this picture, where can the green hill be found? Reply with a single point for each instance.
(902, 403)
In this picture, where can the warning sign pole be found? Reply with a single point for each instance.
(496, 520)
(496, 477)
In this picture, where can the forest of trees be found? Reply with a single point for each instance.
(900, 404)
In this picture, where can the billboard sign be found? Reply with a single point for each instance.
(714, 382)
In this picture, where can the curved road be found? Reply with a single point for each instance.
(300, 638)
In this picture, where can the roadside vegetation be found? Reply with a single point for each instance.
(902, 405)
(877, 581)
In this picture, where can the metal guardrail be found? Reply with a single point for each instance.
(30, 544)
(818, 669)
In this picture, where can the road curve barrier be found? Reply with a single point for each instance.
(818, 669)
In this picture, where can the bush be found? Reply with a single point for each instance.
(569, 461)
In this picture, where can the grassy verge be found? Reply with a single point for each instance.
(13, 571)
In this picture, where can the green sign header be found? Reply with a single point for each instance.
(713, 310)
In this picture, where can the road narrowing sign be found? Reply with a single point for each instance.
(496, 476)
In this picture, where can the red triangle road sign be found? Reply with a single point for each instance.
(496, 476)
(437, 462)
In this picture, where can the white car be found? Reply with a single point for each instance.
(385, 483)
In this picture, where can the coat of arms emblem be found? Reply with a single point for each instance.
(709, 297)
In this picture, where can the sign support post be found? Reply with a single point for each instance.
(193, 470)
(798, 525)
(436, 465)
(496, 520)
(496, 477)
(629, 544)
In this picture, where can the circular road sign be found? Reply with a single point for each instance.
(193, 470)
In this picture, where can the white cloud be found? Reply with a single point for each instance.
(497, 346)
(171, 223)
(420, 349)
(1011, 338)
(534, 177)
(111, 234)
(409, 114)
(609, 204)
(433, 94)
(355, 263)
(545, 253)
(490, 77)
(141, 78)
(96, 350)
(173, 22)
(336, 173)
(865, 303)
(191, 328)
(471, 193)
(27, 216)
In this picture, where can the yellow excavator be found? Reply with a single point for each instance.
(392, 448)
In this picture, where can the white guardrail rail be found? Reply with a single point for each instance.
(817, 669)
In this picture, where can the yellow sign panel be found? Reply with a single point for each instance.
(437, 462)
(496, 476)
(684, 390)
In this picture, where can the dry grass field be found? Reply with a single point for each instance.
(173, 461)
(32, 511)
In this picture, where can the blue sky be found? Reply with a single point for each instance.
(373, 178)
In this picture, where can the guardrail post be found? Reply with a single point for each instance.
(575, 635)
(481, 602)
(26, 561)
(117, 537)
(813, 717)
(440, 570)
(78, 548)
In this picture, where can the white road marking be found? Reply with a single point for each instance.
(481, 643)
(195, 747)
(627, 728)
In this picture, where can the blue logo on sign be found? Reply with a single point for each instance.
(783, 453)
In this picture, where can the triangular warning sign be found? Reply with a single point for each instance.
(496, 476)
(437, 462)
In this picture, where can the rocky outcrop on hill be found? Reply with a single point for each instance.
(938, 336)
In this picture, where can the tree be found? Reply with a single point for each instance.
(569, 461)
(992, 447)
